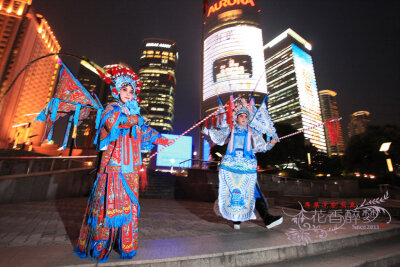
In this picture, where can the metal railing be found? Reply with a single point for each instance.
(201, 163)
(38, 164)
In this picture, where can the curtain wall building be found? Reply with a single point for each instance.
(24, 36)
(329, 110)
(292, 87)
(157, 72)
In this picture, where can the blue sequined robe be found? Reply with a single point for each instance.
(238, 171)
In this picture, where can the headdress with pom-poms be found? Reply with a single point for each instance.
(119, 76)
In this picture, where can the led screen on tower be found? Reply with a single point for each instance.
(233, 57)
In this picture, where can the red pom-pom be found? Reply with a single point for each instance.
(101, 74)
(124, 71)
(138, 91)
(107, 80)
(139, 84)
(131, 72)
(109, 71)
(138, 99)
(115, 91)
(114, 71)
(135, 77)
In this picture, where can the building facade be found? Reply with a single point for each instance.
(329, 110)
(292, 87)
(359, 122)
(157, 67)
(24, 36)
(232, 52)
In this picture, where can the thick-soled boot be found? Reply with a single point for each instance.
(269, 220)
(236, 225)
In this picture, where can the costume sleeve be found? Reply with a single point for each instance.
(151, 137)
(260, 145)
(218, 135)
(127, 121)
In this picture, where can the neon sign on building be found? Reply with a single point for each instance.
(228, 3)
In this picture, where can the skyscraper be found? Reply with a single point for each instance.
(24, 36)
(329, 110)
(232, 52)
(157, 73)
(90, 79)
(293, 93)
(359, 122)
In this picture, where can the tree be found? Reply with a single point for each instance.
(362, 152)
(289, 150)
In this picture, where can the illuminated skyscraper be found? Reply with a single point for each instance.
(232, 52)
(330, 109)
(157, 73)
(24, 36)
(293, 93)
(359, 122)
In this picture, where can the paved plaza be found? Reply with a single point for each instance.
(45, 233)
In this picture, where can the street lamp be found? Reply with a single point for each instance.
(385, 148)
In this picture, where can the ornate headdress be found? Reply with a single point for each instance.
(120, 77)
(243, 107)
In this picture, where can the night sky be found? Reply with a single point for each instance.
(355, 44)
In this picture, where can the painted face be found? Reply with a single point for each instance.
(126, 93)
(242, 119)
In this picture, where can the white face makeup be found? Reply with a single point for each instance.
(126, 94)
(242, 119)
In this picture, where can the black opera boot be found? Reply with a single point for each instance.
(269, 220)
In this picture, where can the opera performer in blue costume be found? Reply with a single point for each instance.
(113, 209)
(238, 192)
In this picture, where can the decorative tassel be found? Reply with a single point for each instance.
(220, 118)
(332, 131)
(231, 102)
(74, 132)
(41, 116)
(143, 178)
(207, 124)
(50, 135)
(98, 118)
(54, 109)
(76, 116)
(214, 120)
(229, 114)
(66, 136)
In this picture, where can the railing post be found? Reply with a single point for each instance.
(69, 163)
(53, 163)
(29, 166)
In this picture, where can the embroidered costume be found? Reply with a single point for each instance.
(113, 207)
(238, 168)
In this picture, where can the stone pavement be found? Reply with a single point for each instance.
(45, 233)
